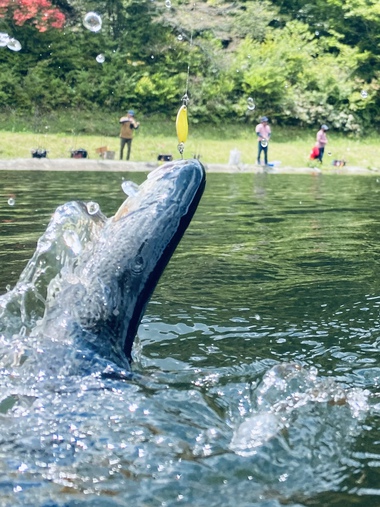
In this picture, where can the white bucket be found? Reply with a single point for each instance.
(234, 157)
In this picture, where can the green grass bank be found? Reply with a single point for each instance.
(61, 132)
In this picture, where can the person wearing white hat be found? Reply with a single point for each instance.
(263, 132)
(321, 141)
(127, 125)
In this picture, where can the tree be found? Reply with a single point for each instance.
(300, 61)
(41, 13)
(356, 21)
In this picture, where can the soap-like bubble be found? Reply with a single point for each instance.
(130, 188)
(100, 58)
(168, 4)
(92, 22)
(264, 143)
(250, 104)
(92, 207)
(13, 44)
(180, 37)
(364, 94)
(11, 201)
(4, 38)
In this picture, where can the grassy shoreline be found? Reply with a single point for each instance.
(289, 146)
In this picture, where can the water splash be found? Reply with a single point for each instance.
(251, 104)
(92, 21)
(14, 44)
(92, 207)
(287, 393)
(130, 188)
(69, 231)
(4, 38)
(72, 240)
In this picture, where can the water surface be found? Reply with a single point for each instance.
(258, 354)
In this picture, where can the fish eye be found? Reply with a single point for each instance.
(138, 264)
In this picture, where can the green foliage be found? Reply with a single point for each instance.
(288, 76)
(253, 19)
(302, 63)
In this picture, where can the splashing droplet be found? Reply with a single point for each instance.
(92, 207)
(250, 104)
(11, 201)
(72, 240)
(92, 22)
(4, 38)
(130, 188)
(100, 58)
(13, 44)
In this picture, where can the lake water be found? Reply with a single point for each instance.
(258, 356)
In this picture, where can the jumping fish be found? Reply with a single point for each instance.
(92, 277)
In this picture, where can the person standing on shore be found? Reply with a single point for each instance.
(321, 141)
(263, 132)
(127, 126)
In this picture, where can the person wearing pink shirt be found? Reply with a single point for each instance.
(321, 141)
(263, 132)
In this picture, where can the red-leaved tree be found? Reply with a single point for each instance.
(40, 13)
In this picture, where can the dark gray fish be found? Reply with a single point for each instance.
(87, 286)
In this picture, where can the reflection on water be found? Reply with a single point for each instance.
(258, 356)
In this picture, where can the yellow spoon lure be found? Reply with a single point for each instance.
(182, 126)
